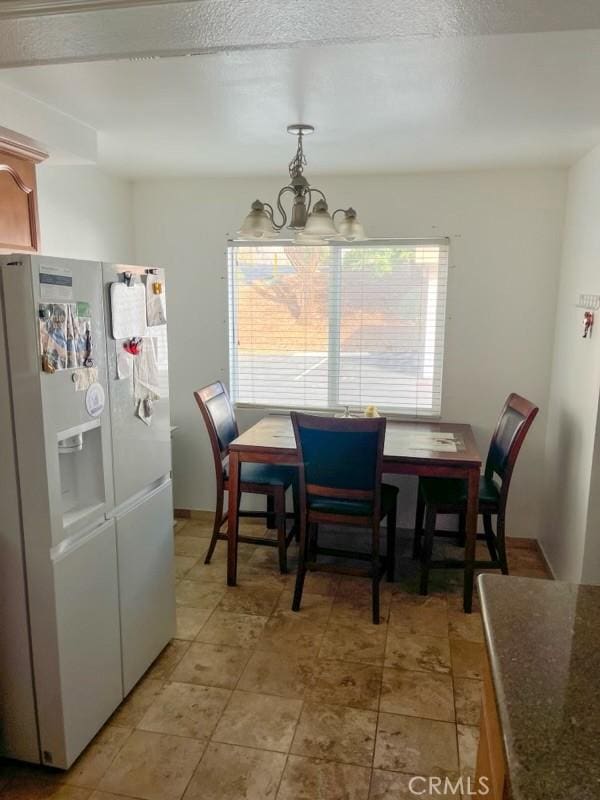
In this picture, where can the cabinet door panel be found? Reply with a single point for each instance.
(18, 212)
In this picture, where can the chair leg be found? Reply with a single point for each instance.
(216, 527)
(462, 529)
(501, 544)
(313, 541)
(391, 543)
(427, 548)
(296, 503)
(420, 516)
(279, 507)
(490, 537)
(375, 571)
(271, 516)
(301, 572)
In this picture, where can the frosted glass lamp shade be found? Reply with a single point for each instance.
(258, 224)
(350, 228)
(319, 224)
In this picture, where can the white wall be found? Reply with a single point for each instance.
(506, 229)
(85, 213)
(570, 536)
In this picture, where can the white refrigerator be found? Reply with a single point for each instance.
(86, 562)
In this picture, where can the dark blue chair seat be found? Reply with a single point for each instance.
(452, 493)
(266, 474)
(355, 508)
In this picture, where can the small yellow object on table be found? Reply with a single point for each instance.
(371, 411)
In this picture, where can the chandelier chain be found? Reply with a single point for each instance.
(298, 162)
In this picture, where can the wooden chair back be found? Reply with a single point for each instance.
(514, 422)
(340, 458)
(219, 417)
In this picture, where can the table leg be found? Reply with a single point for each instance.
(471, 537)
(233, 517)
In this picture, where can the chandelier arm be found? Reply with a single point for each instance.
(281, 209)
(338, 211)
(318, 191)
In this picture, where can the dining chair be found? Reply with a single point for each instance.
(340, 483)
(266, 479)
(449, 495)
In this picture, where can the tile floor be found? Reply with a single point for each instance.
(251, 701)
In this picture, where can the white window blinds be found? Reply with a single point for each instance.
(326, 327)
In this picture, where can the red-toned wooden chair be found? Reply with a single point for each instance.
(272, 481)
(449, 495)
(340, 483)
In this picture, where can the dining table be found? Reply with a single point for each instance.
(415, 447)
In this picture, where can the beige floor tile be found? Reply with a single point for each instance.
(236, 630)
(416, 746)
(321, 583)
(97, 757)
(189, 621)
(28, 786)
(287, 630)
(467, 698)
(164, 665)
(249, 600)
(153, 766)
(99, 795)
(137, 702)
(284, 674)
(468, 741)
(183, 564)
(227, 772)
(353, 602)
(313, 779)
(417, 694)
(396, 786)
(414, 615)
(467, 658)
(215, 572)
(199, 529)
(190, 545)
(347, 684)
(258, 720)
(199, 594)
(420, 653)
(363, 642)
(336, 733)
(466, 626)
(211, 665)
(314, 607)
(180, 523)
(186, 710)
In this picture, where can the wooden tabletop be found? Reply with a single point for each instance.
(410, 442)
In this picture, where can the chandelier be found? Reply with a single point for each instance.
(309, 216)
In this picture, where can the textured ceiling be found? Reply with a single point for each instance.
(177, 28)
(426, 104)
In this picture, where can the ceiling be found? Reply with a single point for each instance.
(411, 105)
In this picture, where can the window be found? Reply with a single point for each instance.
(338, 325)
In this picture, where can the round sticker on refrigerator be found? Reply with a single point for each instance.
(94, 400)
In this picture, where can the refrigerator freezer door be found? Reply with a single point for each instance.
(141, 452)
(76, 701)
(18, 725)
(146, 581)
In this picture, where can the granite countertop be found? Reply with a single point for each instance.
(543, 639)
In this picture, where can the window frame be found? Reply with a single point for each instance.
(334, 348)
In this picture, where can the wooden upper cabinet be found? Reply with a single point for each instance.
(19, 225)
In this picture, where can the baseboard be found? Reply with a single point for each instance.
(182, 513)
(522, 542)
(194, 513)
(542, 555)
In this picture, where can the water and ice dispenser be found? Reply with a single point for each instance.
(81, 471)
